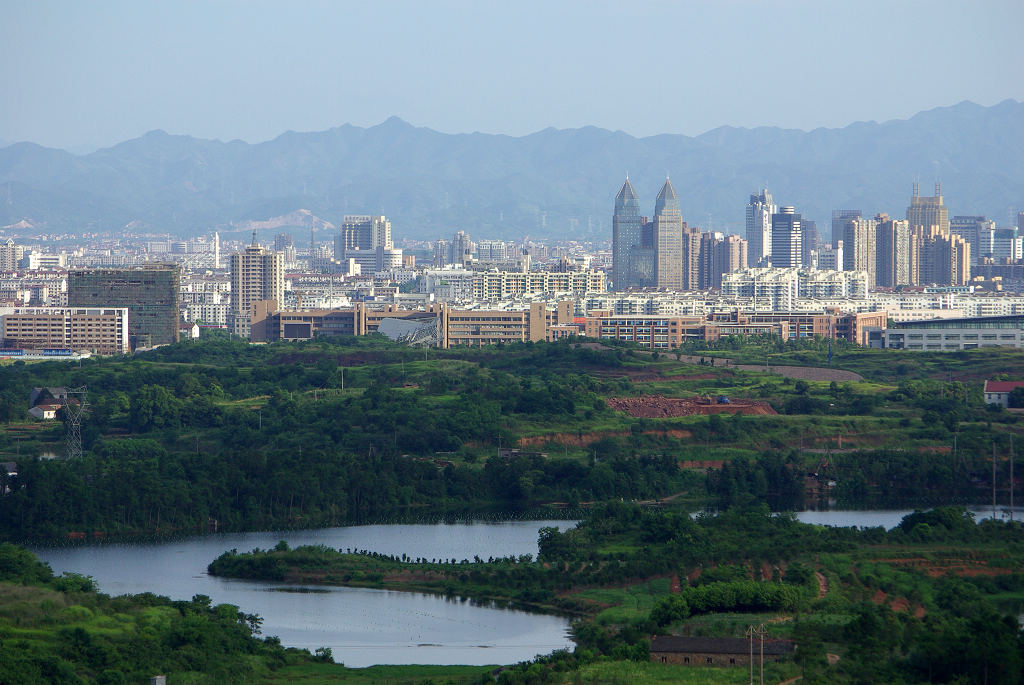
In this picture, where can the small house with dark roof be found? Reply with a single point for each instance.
(998, 392)
(53, 395)
(715, 651)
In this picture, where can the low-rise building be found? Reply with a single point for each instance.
(949, 335)
(998, 392)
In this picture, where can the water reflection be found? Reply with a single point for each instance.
(362, 626)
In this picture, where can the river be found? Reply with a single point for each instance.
(362, 626)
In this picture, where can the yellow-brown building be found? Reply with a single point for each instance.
(100, 330)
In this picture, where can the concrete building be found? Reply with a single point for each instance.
(465, 327)
(928, 211)
(98, 330)
(998, 392)
(892, 252)
(859, 241)
(730, 254)
(950, 334)
(256, 274)
(10, 255)
(668, 239)
(150, 292)
(362, 232)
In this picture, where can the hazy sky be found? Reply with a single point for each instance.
(80, 73)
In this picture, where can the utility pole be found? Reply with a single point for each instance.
(993, 481)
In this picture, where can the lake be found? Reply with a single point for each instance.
(362, 626)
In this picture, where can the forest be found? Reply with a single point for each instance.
(221, 434)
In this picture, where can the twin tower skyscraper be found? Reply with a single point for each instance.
(648, 254)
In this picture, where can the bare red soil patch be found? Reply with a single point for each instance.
(584, 439)
(657, 406)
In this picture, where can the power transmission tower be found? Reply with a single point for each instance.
(74, 412)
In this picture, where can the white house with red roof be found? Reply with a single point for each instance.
(998, 392)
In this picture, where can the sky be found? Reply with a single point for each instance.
(82, 75)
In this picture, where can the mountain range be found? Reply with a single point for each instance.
(553, 183)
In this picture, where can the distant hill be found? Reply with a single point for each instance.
(550, 183)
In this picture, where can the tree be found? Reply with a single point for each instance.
(1016, 398)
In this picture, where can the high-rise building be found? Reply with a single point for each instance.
(216, 250)
(695, 269)
(1007, 244)
(759, 228)
(928, 211)
(787, 239)
(627, 227)
(256, 274)
(149, 292)
(839, 219)
(892, 252)
(10, 255)
(945, 258)
(362, 232)
(859, 240)
(668, 238)
(979, 233)
(810, 240)
(282, 241)
(730, 254)
(461, 248)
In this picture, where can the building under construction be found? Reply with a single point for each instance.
(149, 292)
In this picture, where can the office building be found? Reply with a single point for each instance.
(257, 274)
(150, 292)
(787, 239)
(759, 228)
(626, 237)
(362, 232)
(928, 211)
(839, 219)
(668, 239)
(98, 330)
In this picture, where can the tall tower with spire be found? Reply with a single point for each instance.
(668, 238)
(626, 237)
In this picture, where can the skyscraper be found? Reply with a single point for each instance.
(668, 238)
(978, 231)
(928, 211)
(256, 274)
(626, 237)
(730, 254)
(759, 227)
(859, 242)
(892, 252)
(839, 219)
(151, 294)
(787, 239)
